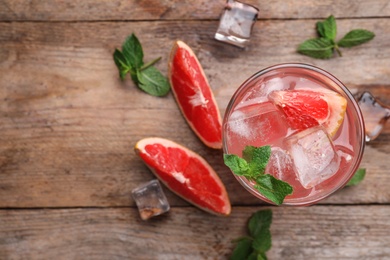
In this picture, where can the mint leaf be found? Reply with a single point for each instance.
(236, 164)
(357, 177)
(243, 249)
(262, 242)
(324, 46)
(320, 29)
(259, 242)
(273, 189)
(261, 256)
(121, 62)
(252, 166)
(133, 52)
(356, 37)
(153, 82)
(252, 256)
(328, 28)
(145, 76)
(257, 157)
(319, 48)
(259, 222)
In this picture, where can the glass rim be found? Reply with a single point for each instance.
(245, 183)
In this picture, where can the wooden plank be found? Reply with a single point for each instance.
(119, 10)
(68, 124)
(328, 232)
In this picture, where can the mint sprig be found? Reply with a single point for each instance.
(145, 76)
(357, 177)
(259, 241)
(324, 46)
(252, 166)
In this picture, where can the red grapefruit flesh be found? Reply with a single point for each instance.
(194, 96)
(308, 108)
(185, 173)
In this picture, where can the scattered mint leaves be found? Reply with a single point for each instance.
(145, 76)
(327, 28)
(356, 37)
(252, 166)
(259, 240)
(357, 177)
(324, 46)
(320, 48)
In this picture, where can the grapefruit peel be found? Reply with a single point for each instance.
(185, 173)
(194, 96)
(307, 108)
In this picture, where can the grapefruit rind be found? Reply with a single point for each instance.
(161, 170)
(198, 99)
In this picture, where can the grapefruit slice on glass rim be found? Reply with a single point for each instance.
(307, 108)
(194, 96)
(185, 173)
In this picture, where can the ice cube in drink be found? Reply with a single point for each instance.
(314, 156)
(255, 124)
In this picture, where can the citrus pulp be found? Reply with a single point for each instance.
(185, 173)
(194, 96)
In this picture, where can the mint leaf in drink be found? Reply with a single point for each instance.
(324, 46)
(259, 242)
(153, 82)
(257, 157)
(238, 165)
(356, 37)
(273, 189)
(145, 76)
(357, 177)
(252, 166)
(319, 48)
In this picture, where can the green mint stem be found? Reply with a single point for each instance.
(338, 50)
(151, 63)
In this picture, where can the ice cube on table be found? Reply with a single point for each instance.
(375, 115)
(150, 199)
(314, 156)
(257, 124)
(236, 23)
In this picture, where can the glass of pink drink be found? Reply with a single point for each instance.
(314, 162)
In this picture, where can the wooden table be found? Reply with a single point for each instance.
(68, 126)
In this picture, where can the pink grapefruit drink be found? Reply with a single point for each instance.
(312, 123)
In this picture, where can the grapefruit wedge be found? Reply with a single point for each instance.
(308, 108)
(185, 173)
(194, 96)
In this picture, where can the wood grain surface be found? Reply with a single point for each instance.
(327, 232)
(68, 126)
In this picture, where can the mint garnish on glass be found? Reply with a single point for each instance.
(323, 47)
(259, 241)
(252, 166)
(145, 76)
